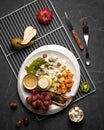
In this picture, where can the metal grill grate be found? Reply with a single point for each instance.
(13, 25)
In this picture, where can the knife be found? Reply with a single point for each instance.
(75, 35)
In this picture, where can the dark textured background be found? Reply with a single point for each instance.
(92, 105)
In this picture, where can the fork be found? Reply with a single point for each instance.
(86, 38)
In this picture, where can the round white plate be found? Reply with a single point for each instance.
(63, 54)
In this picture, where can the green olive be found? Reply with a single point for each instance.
(16, 43)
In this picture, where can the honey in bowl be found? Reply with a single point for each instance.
(30, 81)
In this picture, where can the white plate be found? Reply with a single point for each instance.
(61, 53)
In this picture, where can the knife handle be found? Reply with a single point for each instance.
(80, 44)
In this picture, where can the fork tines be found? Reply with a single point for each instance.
(85, 27)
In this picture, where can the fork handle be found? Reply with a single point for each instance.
(80, 44)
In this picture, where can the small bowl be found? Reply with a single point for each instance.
(76, 114)
(30, 81)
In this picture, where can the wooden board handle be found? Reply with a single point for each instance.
(80, 44)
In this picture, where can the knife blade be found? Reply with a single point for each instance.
(75, 35)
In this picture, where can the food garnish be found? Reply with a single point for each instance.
(29, 34)
(30, 81)
(85, 87)
(45, 16)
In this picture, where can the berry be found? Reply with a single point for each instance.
(38, 103)
(41, 96)
(34, 98)
(28, 99)
(19, 123)
(26, 121)
(39, 100)
(48, 97)
(44, 108)
(34, 105)
(34, 91)
(13, 105)
(46, 103)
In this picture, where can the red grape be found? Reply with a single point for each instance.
(40, 100)
(28, 99)
(13, 105)
(26, 121)
(46, 103)
(19, 123)
(48, 97)
(41, 96)
(34, 98)
(34, 105)
(44, 108)
(44, 93)
(38, 95)
(39, 103)
(34, 91)
(50, 102)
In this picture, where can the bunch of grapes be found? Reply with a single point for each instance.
(39, 100)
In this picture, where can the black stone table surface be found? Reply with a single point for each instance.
(93, 105)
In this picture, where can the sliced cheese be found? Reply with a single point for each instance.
(44, 82)
(49, 79)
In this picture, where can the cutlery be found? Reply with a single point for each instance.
(75, 35)
(86, 37)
